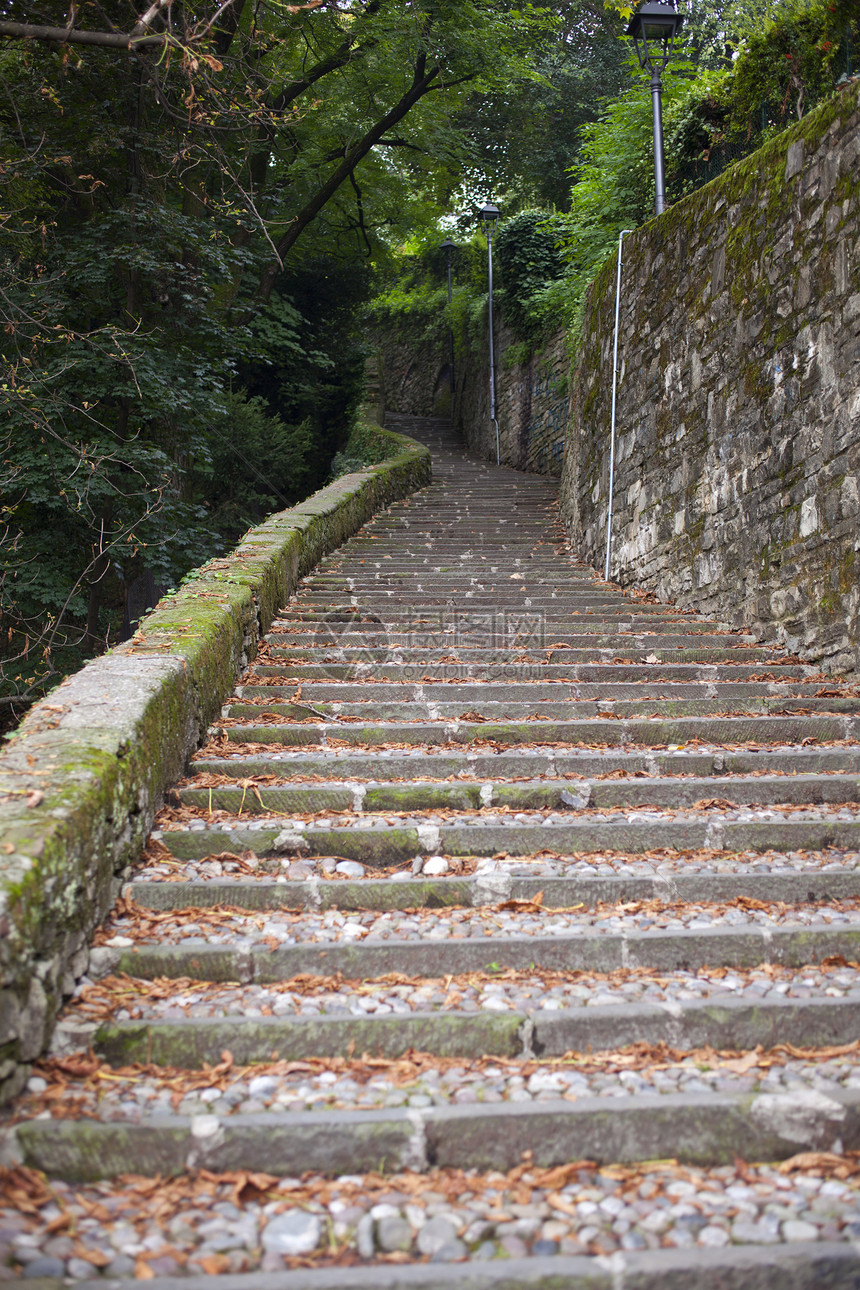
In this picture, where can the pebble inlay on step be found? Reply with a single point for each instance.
(504, 920)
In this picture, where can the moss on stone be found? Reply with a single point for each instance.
(109, 740)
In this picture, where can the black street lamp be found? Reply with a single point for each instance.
(654, 29)
(450, 247)
(489, 217)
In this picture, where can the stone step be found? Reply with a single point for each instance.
(735, 1024)
(833, 1264)
(428, 795)
(417, 577)
(541, 709)
(555, 624)
(398, 608)
(133, 1097)
(324, 630)
(380, 844)
(607, 731)
(693, 1128)
(384, 765)
(583, 947)
(533, 692)
(485, 641)
(603, 674)
(790, 885)
(481, 656)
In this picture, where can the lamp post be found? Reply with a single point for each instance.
(654, 29)
(450, 247)
(489, 217)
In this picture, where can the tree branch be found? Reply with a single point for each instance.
(143, 24)
(73, 36)
(422, 82)
(340, 57)
(399, 143)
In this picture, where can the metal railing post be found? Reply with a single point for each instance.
(622, 235)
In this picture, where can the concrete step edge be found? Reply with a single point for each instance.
(384, 846)
(443, 893)
(808, 789)
(728, 1023)
(694, 1128)
(682, 949)
(802, 1266)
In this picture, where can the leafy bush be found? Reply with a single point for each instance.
(789, 67)
(529, 259)
(781, 73)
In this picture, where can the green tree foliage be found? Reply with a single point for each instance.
(529, 260)
(526, 138)
(785, 68)
(192, 200)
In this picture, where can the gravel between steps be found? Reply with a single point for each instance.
(236, 1223)
(665, 863)
(123, 998)
(243, 930)
(135, 1095)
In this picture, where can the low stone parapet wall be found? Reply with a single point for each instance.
(82, 777)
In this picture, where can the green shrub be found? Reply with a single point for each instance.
(529, 258)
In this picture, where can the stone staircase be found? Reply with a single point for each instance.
(504, 934)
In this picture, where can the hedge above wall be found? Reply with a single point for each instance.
(738, 469)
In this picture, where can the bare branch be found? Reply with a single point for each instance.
(143, 24)
(72, 36)
(140, 36)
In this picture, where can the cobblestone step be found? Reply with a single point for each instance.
(608, 730)
(605, 648)
(527, 691)
(834, 881)
(543, 709)
(380, 843)
(366, 948)
(199, 1042)
(551, 672)
(385, 764)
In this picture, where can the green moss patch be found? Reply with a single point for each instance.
(82, 777)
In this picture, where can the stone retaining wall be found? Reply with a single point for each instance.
(738, 473)
(82, 777)
(531, 402)
(531, 396)
(412, 365)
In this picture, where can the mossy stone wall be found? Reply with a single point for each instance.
(737, 488)
(413, 367)
(82, 777)
(531, 390)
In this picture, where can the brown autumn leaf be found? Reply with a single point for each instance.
(97, 1258)
(741, 1065)
(826, 1162)
(562, 1204)
(533, 906)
